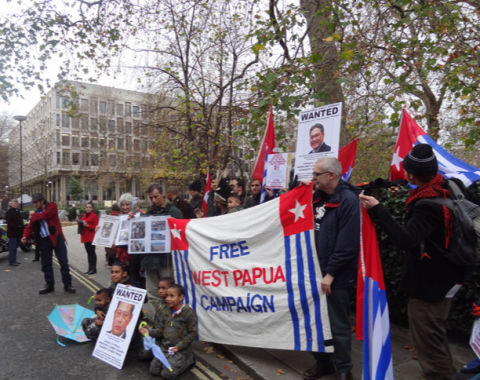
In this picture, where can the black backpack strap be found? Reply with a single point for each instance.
(455, 190)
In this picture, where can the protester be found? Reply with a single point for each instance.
(111, 253)
(172, 196)
(237, 186)
(219, 200)
(174, 334)
(92, 326)
(234, 203)
(157, 266)
(72, 215)
(211, 210)
(317, 134)
(337, 239)
(119, 275)
(428, 275)
(46, 227)
(89, 220)
(256, 190)
(14, 220)
(195, 191)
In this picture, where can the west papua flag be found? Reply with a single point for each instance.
(269, 140)
(346, 156)
(253, 276)
(207, 194)
(373, 323)
(411, 134)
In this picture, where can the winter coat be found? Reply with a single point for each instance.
(50, 214)
(337, 233)
(14, 220)
(88, 233)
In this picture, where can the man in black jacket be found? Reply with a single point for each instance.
(337, 240)
(13, 218)
(429, 278)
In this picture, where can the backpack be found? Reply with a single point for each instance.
(464, 247)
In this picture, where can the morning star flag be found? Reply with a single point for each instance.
(207, 194)
(253, 277)
(346, 156)
(373, 323)
(411, 134)
(269, 140)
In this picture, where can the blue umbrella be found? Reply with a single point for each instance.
(149, 344)
(66, 320)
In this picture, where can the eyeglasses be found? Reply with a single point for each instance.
(319, 174)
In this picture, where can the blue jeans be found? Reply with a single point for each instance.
(12, 249)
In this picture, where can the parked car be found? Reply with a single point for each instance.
(4, 239)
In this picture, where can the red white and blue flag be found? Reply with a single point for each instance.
(269, 140)
(411, 134)
(373, 322)
(346, 156)
(253, 277)
(207, 194)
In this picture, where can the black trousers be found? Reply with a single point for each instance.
(46, 251)
(92, 256)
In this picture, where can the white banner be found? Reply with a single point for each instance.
(318, 136)
(253, 276)
(119, 325)
(105, 235)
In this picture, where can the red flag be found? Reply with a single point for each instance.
(268, 140)
(207, 194)
(347, 156)
(407, 137)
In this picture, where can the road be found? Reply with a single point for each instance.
(28, 345)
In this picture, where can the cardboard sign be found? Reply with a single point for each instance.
(105, 235)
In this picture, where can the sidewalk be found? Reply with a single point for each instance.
(268, 363)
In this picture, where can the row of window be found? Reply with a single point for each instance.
(87, 159)
(93, 141)
(102, 124)
(108, 107)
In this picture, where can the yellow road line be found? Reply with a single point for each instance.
(199, 374)
(90, 285)
(212, 375)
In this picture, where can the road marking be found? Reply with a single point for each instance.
(212, 375)
(90, 285)
(199, 374)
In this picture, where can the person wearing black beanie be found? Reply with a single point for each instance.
(429, 278)
(195, 190)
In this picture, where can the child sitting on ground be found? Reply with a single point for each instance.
(234, 203)
(92, 326)
(175, 333)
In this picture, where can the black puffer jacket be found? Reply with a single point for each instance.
(14, 220)
(337, 237)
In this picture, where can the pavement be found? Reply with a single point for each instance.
(216, 361)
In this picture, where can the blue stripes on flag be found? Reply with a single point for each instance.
(291, 301)
(377, 347)
(263, 195)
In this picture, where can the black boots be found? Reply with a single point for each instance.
(92, 269)
(69, 288)
(48, 288)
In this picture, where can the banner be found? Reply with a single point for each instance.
(318, 136)
(253, 277)
(119, 325)
(149, 234)
(105, 235)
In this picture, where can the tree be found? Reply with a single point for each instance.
(76, 189)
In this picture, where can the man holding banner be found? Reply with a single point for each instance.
(337, 239)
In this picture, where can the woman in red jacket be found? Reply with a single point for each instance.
(90, 221)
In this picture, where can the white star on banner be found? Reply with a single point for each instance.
(298, 210)
(176, 232)
(397, 159)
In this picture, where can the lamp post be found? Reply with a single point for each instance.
(20, 119)
(50, 188)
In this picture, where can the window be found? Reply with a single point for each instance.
(65, 157)
(144, 145)
(57, 120)
(85, 161)
(64, 102)
(110, 107)
(94, 105)
(94, 141)
(84, 104)
(111, 126)
(128, 127)
(128, 162)
(136, 145)
(94, 159)
(65, 139)
(143, 129)
(112, 160)
(128, 109)
(102, 123)
(58, 101)
(120, 126)
(103, 107)
(75, 140)
(136, 111)
(119, 109)
(58, 139)
(144, 111)
(93, 124)
(75, 122)
(102, 142)
(84, 122)
(120, 143)
(240, 153)
(59, 158)
(75, 158)
(65, 121)
(84, 141)
(120, 161)
(136, 127)
(111, 144)
(128, 144)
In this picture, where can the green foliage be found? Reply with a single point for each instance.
(76, 189)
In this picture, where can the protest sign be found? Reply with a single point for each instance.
(318, 136)
(277, 171)
(105, 235)
(475, 338)
(123, 228)
(119, 325)
(257, 287)
(149, 234)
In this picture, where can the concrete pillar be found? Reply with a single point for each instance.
(117, 191)
(82, 183)
(63, 191)
(100, 195)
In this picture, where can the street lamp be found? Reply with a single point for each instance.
(20, 119)
(50, 188)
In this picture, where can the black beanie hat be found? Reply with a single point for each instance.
(223, 190)
(196, 186)
(421, 160)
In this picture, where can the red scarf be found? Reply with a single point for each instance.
(434, 189)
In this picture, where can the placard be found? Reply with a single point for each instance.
(277, 171)
(475, 338)
(149, 234)
(119, 325)
(318, 136)
(123, 228)
(105, 235)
